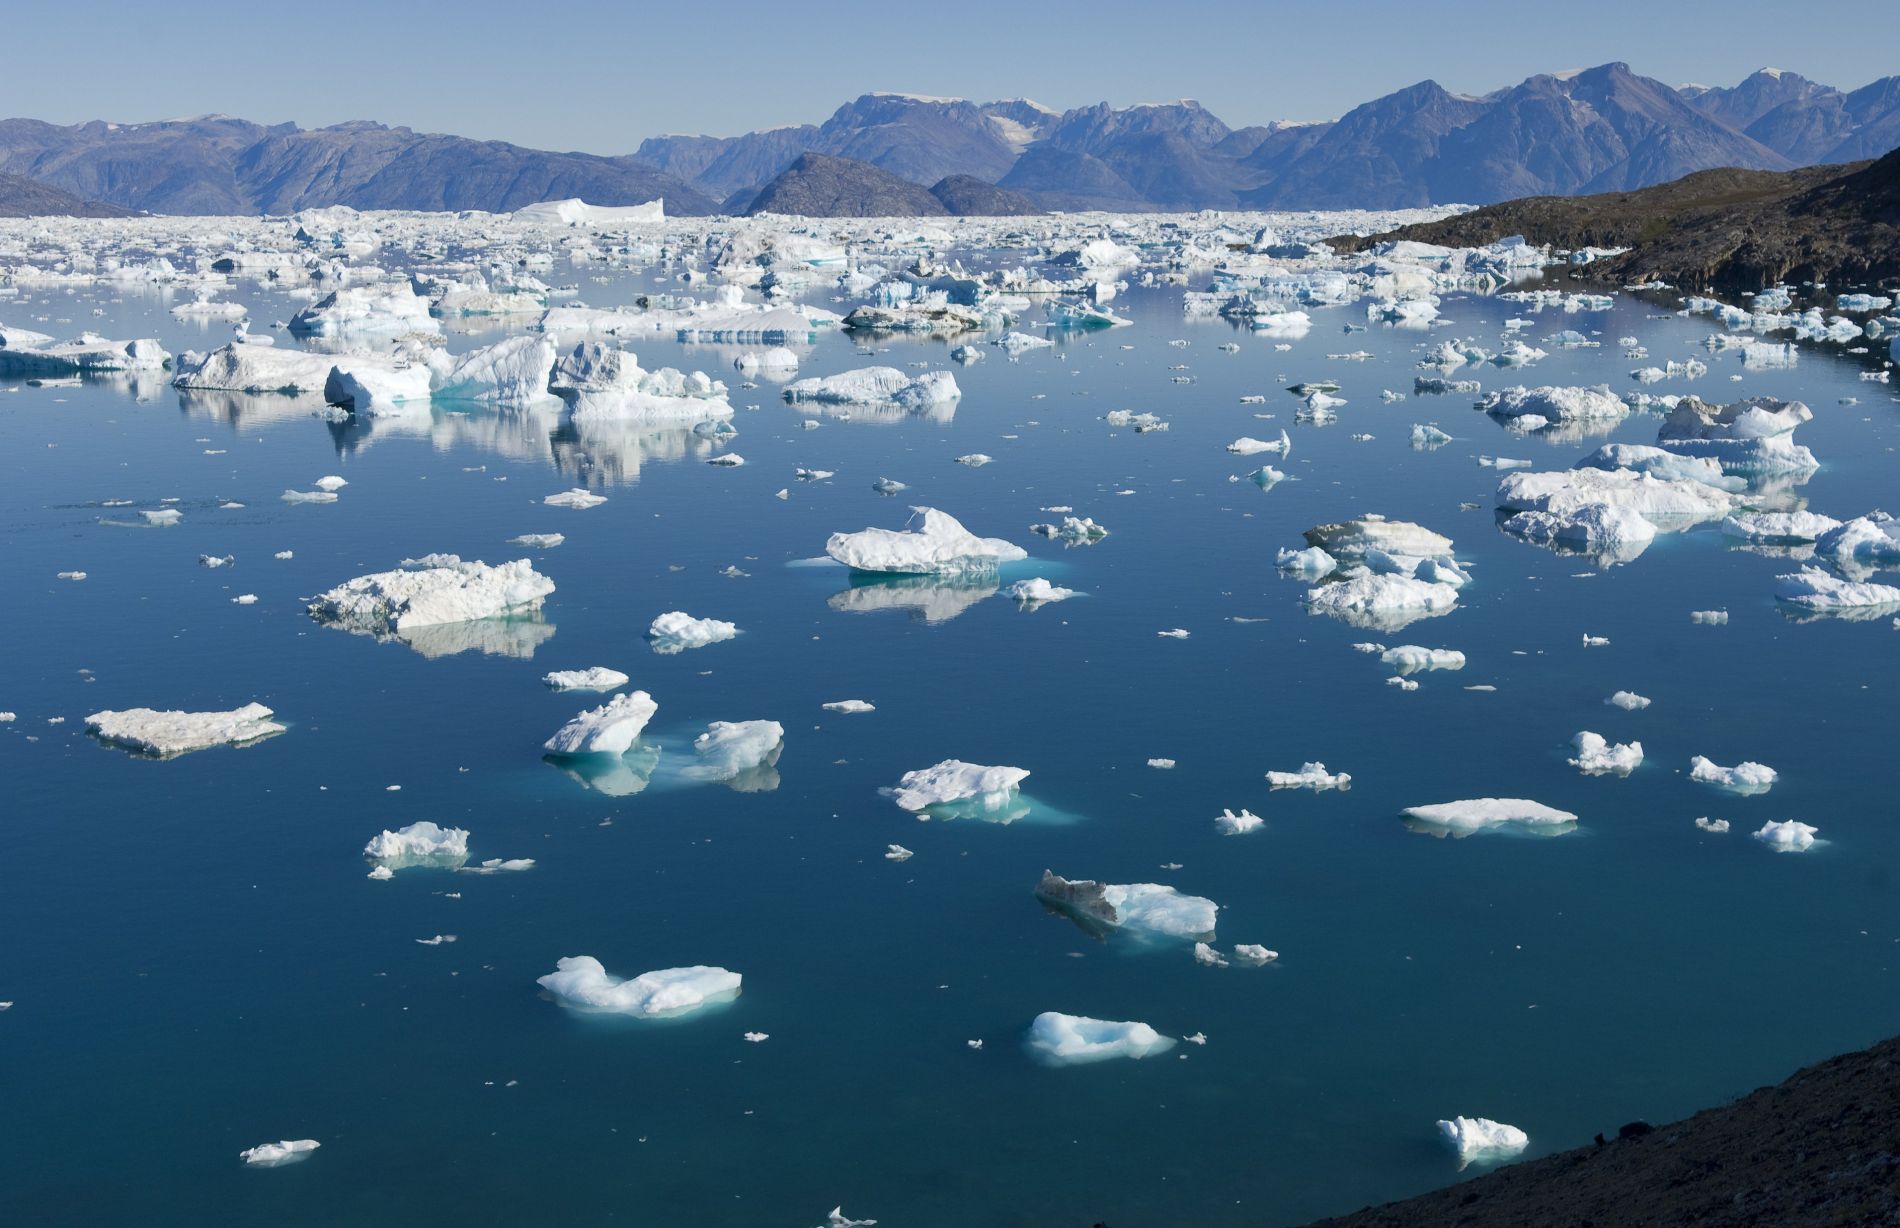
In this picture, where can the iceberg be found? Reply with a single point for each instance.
(1148, 908)
(419, 844)
(1787, 837)
(607, 730)
(1554, 404)
(582, 982)
(440, 588)
(1746, 778)
(595, 678)
(1819, 592)
(513, 371)
(603, 383)
(1037, 591)
(1752, 436)
(942, 545)
(676, 631)
(1413, 659)
(275, 1155)
(1381, 602)
(379, 308)
(1480, 1139)
(1354, 539)
(875, 385)
(741, 754)
(954, 788)
(1310, 776)
(1629, 701)
(1072, 1040)
(1227, 823)
(1597, 756)
(1778, 528)
(165, 734)
(1483, 813)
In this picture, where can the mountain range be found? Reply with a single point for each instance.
(1602, 129)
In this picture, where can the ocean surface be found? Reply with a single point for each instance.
(197, 962)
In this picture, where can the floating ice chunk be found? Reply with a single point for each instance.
(1227, 823)
(176, 733)
(513, 371)
(875, 385)
(1208, 957)
(776, 362)
(1746, 778)
(1382, 602)
(1709, 618)
(888, 486)
(1629, 701)
(594, 678)
(1567, 492)
(1717, 827)
(1247, 446)
(497, 865)
(607, 730)
(1036, 591)
(275, 1155)
(850, 705)
(1151, 908)
(331, 483)
(538, 541)
(431, 591)
(1597, 756)
(741, 753)
(1554, 404)
(1413, 659)
(1173, 633)
(1404, 684)
(419, 844)
(1071, 1040)
(1427, 435)
(1354, 539)
(1480, 1139)
(954, 783)
(1310, 776)
(1311, 561)
(677, 631)
(1073, 531)
(1820, 592)
(1015, 343)
(1787, 837)
(575, 498)
(580, 981)
(1865, 541)
(71, 575)
(604, 384)
(309, 496)
(838, 1219)
(1478, 814)
(1595, 641)
(161, 517)
(1253, 955)
(728, 460)
(1753, 436)
(942, 545)
(897, 852)
(381, 874)
(1778, 528)
(1161, 763)
(391, 307)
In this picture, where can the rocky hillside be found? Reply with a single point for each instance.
(1822, 1148)
(819, 185)
(1724, 230)
(23, 197)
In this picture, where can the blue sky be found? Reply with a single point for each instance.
(599, 76)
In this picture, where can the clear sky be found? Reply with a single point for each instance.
(599, 75)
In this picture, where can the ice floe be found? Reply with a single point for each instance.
(1073, 1040)
(169, 733)
(582, 982)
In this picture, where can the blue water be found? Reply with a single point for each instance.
(198, 963)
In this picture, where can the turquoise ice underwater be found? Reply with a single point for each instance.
(197, 962)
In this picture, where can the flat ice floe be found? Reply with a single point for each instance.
(275, 1155)
(1597, 756)
(1412, 658)
(1073, 1040)
(878, 385)
(676, 631)
(578, 498)
(1787, 837)
(1819, 592)
(439, 588)
(165, 734)
(610, 729)
(1746, 778)
(1462, 818)
(941, 545)
(1148, 908)
(594, 678)
(581, 982)
(849, 706)
(1479, 1139)
(1382, 602)
(955, 789)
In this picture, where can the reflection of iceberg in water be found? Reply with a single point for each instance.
(246, 410)
(606, 452)
(612, 775)
(1602, 557)
(495, 637)
(1425, 827)
(883, 413)
(512, 432)
(934, 599)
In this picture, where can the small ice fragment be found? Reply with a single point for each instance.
(1787, 837)
(897, 852)
(1227, 823)
(1160, 763)
(537, 541)
(1595, 641)
(594, 678)
(1629, 701)
(757, 1037)
(1745, 778)
(1253, 955)
(576, 498)
(850, 705)
(1479, 1138)
(1716, 826)
(1037, 591)
(581, 982)
(1310, 776)
(1597, 756)
(1173, 633)
(382, 874)
(1208, 957)
(676, 631)
(331, 483)
(271, 1155)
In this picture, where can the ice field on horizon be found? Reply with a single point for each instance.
(1270, 668)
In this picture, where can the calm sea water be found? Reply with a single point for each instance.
(198, 963)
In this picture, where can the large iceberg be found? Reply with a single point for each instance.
(1820, 592)
(582, 982)
(1071, 1040)
(170, 733)
(513, 371)
(1752, 436)
(1556, 405)
(941, 545)
(603, 382)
